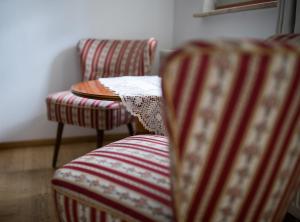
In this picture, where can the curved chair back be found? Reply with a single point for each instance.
(291, 38)
(109, 58)
(294, 39)
(233, 118)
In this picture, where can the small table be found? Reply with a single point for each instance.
(93, 89)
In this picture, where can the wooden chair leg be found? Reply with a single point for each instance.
(100, 135)
(59, 132)
(130, 129)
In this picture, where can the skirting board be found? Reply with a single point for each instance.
(67, 140)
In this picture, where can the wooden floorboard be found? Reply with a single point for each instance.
(25, 174)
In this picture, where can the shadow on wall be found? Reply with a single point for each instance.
(65, 70)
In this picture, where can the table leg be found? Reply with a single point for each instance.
(139, 128)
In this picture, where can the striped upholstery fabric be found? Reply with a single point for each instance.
(233, 116)
(102, 58)
(127, 180)
(67, 108)
(108, 58)
(292, 38)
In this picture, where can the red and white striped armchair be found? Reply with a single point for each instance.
(294, 39)
(232, 110)
(290, 38)
(100, 58)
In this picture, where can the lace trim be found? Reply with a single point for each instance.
(141, 95)
(147, 110)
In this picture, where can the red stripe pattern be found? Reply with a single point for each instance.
(109, 58)
(291, 38)
(233, 115)
(102, 58)
(117, 181)
(71, 210)
(65, 107)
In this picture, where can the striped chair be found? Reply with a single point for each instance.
(100, 58)
(232, 112)
(290, 38)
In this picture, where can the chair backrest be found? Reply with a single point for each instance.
(109, 58)
(291, 38)
(294, 39)
(233, 117)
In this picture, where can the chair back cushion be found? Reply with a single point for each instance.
(233, 119)
(294, 39)
(109, 58)
(291, 38)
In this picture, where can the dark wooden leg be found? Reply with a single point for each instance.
(100, 135)
(59, 132)
(139, 128)
(130, 129)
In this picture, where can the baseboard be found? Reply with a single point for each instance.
(67, 140)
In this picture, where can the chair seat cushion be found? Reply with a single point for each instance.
(68, 108)
(128, 179)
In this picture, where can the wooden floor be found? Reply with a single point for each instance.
(25, 174)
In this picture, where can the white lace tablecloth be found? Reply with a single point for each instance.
(142, 97)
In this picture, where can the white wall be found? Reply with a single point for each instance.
(297, 25)
(259, 23)
(38, 55)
